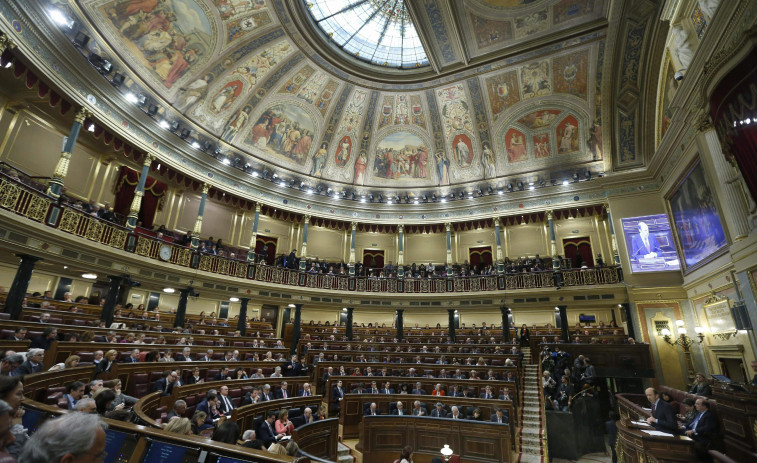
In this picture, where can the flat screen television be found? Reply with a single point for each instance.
(650, 245)
(587, 318)
(222, 459)
(163, 452)
(119, 446)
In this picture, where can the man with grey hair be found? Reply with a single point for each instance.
(94, 386)
(98, 357)
(455, 415)
(248, 435)
(33, 363)
(72, 437)
(86, 406)
(179, 408)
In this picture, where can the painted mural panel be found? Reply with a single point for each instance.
(489, 32)
(284, 129)
(401, 156)
(169, 38)
(532, 23)
(669, 87)
(232, 9)
(353, 114)
(502, 90)
(489, 161)
(327, 93)
(418, 116)
(462, 151)
(240, 27)
(539, 119)
(387, 111)
(343, 152)
(568, 10)
(236, 123)
(570, 74)
(535, 80)
(455, 110)
(542, 148)
(515, 141)
(567, 135)
(293, 84)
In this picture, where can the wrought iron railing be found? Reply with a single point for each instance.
(35, 205)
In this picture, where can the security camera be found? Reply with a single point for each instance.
(678, 76)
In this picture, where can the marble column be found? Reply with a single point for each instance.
(242, 321)
(55, 186)
(729, 189)
(505, 312)
(552, 241)
(111, 298)
(401, 251)
(348, 326)
(564, 322)
(181, 309)
(353, 237)
(448, 229)
(498, 242)
(198, 222)
(451, 322)
(139, 192)
(15, 299)
(400, 323)
(254, 238)
(304, 250)
(296, 327)
(613, 239)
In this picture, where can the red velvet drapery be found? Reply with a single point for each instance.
(574, 247)
(270, 244)
(480, 257)
(733, 113)
(155, 191)
(373, 258)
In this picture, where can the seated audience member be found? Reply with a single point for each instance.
(663, 416)
(86, 406)
(74, 392)
(372, 410)
(33, 363)
(417, 409)
(500, 417)
(200, 422)
(106, 363)
(43, 341)
(456, 415)
(165, 384)
(439, 411)
(400, 410)
(104, 401)
(701, 386)
(209, 405)
(283, 425)
(224, 401)
(10, 363)
(691, 412)
(71, 437)
(178, 410)
(266, 432)
(227, 432)
(703, 427)
(179, 425)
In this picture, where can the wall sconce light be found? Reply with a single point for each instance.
(683, 339)
(446, 452)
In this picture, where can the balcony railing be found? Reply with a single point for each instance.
(35, 205)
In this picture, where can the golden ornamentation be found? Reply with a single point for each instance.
(198, 226)
(9, 194)
(69, 222)
(6, 43)
(205, 262)
(143, 246)
(118, 238)
(705, 124)
(205, 188)
(61, 169)
(183, 257)
(240, 271)
(136, 203)
(149, 160)
(94, 230)
(81, 114)
(37, 209)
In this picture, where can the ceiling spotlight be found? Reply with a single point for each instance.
(169, 290)
(81, 40)
(141, 99)
(175, 126)
(226, 161)
(319, 188)
(328, 191)
(371, 198)
(462, 195)
(509, 187)
(196, 145)
(275, 176)
(8, 64)
(255, 174)
(91, 128)
(89, 276)
(131, 98)
(292, 306)
(531, 188)
(424, 198)
(542, 182)
(520, 186)
(600, 174)
(282, 183)
(500, 192)
(380, 198)
(443, 200)
(362, 199)
(184, 133)
(60, 18)
(389, 201)
(310, 191)
(407, 198)
(565, 182)
(152, 110)
(118, 79)
(480, 192)
(206, 145)
(415, 201)
(233, 299)
(164, 123)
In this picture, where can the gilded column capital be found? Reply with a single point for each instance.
(448, 227)
(258, 207)
(496, 222)
(401, 228)
(205, 188)
(705, 124)
(306, 219)
(149, 158)
(353, 226)
(6, 43)
(550, 214)
(82, 114)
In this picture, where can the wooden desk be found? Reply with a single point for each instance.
(318, 439)
(408, 358)
(738, 416)
(474, 441)
(635, 446)
(352, 408)
(245, 416)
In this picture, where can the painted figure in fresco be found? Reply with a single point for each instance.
(343, 151)
(489, 161)
(541, 146)
(193, 92)
(517, 150)
(319, 160)
(595, 140)
(236, 123)
(422, 162)
(442, 167)
(566, 141)
(360, 165)
(463, 154)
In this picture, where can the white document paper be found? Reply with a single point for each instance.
(640, 423)
(657, 433)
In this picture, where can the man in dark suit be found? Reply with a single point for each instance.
(266, 394)
(337, 394)
(43, 341)
(184, 356)
(210, 406)
(372, 410)
(703, 425)
(266, 432)
(359, 389)
(224, 401)
(400, 410)
(500, 417)
(663, 416)
(179, 409)
(506, 395)
(419, 389)
(222, 375)
(283, 392)
(644, 244)
(487, 394)
(305, 391)
(164, 384)
(439, 411)
(208, 356)
(387, 389)
(33, 363)
(133, 357)
(293, 367)
(417, 409)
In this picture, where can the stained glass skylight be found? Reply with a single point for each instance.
(378, 31)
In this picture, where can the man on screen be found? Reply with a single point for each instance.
(644, 244)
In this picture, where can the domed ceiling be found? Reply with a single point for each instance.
(486, 90)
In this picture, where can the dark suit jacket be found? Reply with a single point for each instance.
(26, 368)
(383, 391)
(181, 358)
(483, 396)
(705, 428)
(280, 394)
(264, 396)
(368, 412)
(335, 395)
(40, 342)
(267, 433)
(204, 407)
(639, 250)
(666, 417)
(301, 393)
(103, 367)
(494, 419)
(222, 405)
(437, 414)
(193, 380)
(295, 371)
(130, 359)
(160, 385)
(419, 391)
(404, 412)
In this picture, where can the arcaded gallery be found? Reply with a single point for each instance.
(369, 231)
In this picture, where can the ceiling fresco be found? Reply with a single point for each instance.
(242, 79)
